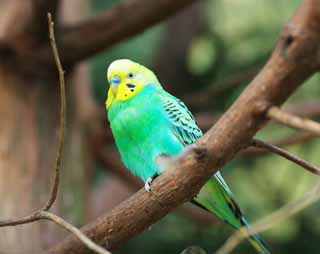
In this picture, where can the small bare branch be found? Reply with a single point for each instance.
(278, 115)
(14, 222)
(307, 109)
(54, 190)
(53, 195)
(43, 213)
(277, 150)
(300, 137)
(271, 220)
(83, 238)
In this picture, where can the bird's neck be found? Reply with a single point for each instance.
(139, 100)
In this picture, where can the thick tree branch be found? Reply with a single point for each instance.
(111, 161)
(288, 119)
(294, 59)
(23, 26)
(104, 30)
(276, 150)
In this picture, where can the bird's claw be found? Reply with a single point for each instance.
(147, 184)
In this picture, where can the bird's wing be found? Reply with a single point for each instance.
(215, 196)
(183, 123)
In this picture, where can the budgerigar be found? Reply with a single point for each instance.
(148, 122)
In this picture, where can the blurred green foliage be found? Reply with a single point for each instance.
(238, 37)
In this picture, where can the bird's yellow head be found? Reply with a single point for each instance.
(127, 79)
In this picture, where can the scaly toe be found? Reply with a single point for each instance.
(147, 184)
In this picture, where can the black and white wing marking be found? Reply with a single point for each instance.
(183, 122)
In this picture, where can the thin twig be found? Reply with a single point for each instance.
(43, 213)
(271, 220)
(27, 219)
(293, 121)
(307, 109)
(277, 150)
(53, 195)
(75, 231)
(299, 137)
(54, 190)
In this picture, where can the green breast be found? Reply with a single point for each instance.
(142, 132)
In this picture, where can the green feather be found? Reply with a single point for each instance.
(154, 123)
(182, 121)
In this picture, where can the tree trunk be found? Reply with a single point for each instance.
(29, 113)
(28, 139)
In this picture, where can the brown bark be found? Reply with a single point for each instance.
(104, 30)
(29, 116)
(295, 58)
(27, 127)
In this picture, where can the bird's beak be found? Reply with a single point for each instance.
(110, 98)
(112, 93)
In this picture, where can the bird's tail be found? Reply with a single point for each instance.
(216, 198)
(255, 240)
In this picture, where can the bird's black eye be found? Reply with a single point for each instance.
(130, 75)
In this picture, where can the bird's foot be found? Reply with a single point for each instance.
(147, 184)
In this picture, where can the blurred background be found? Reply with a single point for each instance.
(205, 55)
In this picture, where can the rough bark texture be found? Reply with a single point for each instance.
(295, 58)
(27, 127)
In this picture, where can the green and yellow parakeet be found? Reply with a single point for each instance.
(148, 122)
